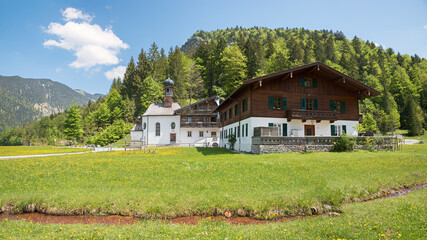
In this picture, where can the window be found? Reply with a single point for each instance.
(189, 134)
(246, 129)
(243, 130)
(308, 82)
(277, 103)
(309, 104)
(145, 125)
(202, 107)
(189, 119)
(157, 129)
(245, 105)
(213, 134)
(173, 125)
(238, 131)
(221, 118)
(230, 113)
(236, 110)
(337, 130)
(337, 106)
(220, 135)
(200, 133)
(225, 116)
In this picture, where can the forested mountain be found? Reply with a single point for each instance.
(24, 99)
(217, 62)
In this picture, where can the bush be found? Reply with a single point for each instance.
(232, 140)
(345, 143)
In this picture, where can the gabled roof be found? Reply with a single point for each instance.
(158, 109)
(199, 102)
(350, 82)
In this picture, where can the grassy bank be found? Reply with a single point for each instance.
(392, 218)
(35, 150)
(186, 181)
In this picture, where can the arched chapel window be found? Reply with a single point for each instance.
(157, 129)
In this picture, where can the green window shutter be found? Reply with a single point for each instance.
(225, 116)
(238, 131)
(343, 107)
(344, 129)
(333, 130)
(315, 82)
(303, 103)
(284, 103)
(270, 124)
(332, 104)
(315, 105)
(270, 102)
(285, 129)
(246, 129)
(302, 82)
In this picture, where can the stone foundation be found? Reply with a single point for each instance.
(261, 145)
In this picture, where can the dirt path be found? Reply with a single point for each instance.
(40, 155)
(190, 220)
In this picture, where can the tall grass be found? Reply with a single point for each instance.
(392, 218)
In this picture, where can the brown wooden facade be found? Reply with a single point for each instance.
(310, 92)
(200, 114)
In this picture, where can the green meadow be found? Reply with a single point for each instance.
(186, 181)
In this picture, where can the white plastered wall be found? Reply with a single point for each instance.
(294, 128)
(185, 140)
(165, 129)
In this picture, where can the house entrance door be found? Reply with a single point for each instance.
(173, 138)
(309, 130)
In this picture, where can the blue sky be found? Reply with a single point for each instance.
(78, 42)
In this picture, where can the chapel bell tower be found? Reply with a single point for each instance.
(168, 100)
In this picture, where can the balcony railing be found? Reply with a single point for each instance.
(311, 115)
(199, 124)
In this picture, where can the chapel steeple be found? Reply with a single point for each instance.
(168, 100)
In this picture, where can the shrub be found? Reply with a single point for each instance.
(345, 143)
(232, 140)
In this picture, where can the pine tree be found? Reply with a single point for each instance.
(330, 49)
(177, 74)
(234, 68)
(131, 82)
(151, 93)
(73, 124)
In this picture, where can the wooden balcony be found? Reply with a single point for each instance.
(311, 115)
(199, 124)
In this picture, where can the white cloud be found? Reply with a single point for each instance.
(108, 7)
(59, 69)
(74, 14)
(115, 72)
(425, 26)
(91, 44)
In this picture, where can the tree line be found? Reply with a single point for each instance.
(217, 62)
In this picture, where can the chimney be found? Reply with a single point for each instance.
(168, 100)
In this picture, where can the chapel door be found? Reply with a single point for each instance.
(173, 138)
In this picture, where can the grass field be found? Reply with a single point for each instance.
(186, 181)
(392, 218)
(35, 150)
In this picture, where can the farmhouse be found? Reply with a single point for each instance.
(167, 123)
(307, 101)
